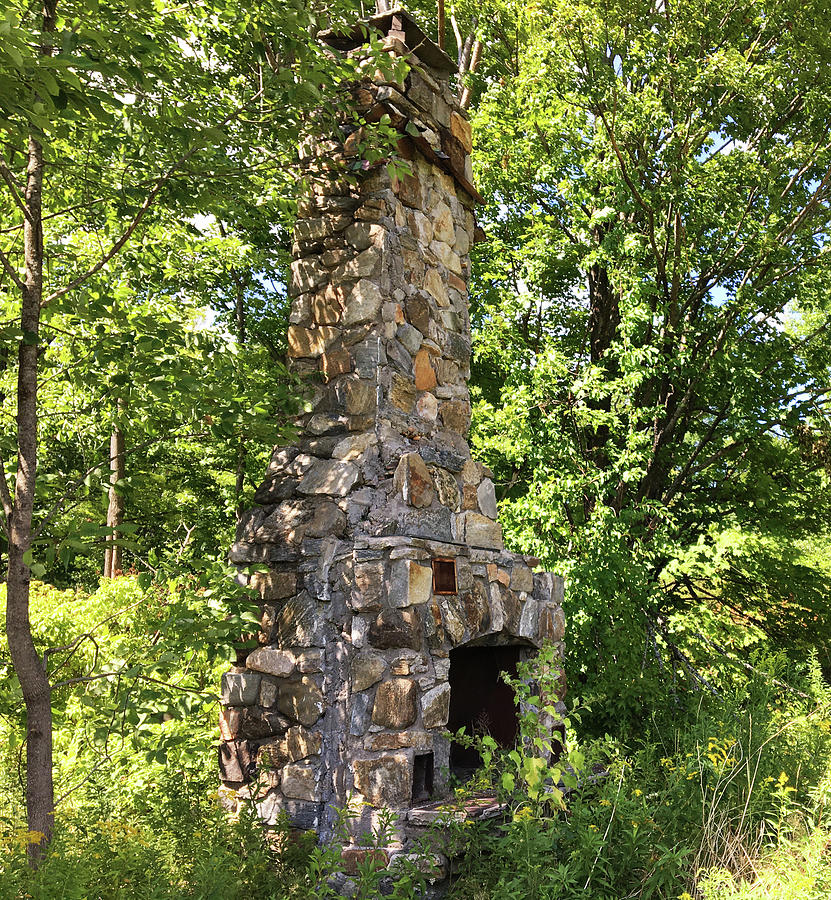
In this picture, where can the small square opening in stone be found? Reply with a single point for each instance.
(422, 777)
(444, 576)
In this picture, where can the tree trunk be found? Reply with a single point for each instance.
(115, 510)
(30, 669)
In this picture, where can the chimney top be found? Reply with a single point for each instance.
(395, 23)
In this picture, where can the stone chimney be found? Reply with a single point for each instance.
(390, 605)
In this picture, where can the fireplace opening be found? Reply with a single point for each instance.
(481, 702)
(444, 576)
(422, 777)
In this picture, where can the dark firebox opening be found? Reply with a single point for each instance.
(444, 576)
(481, 702)
(422, 777)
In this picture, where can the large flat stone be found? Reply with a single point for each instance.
(414, 481)
(329, 476)
(395, 704)
(385, 781)
(435, 706)
(410, 584)
(299, 781)
(366, 670)
(272, 661)
(301, 701)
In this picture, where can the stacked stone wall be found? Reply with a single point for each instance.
(350, 679)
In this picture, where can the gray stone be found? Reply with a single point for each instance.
(240, 689)
(271, 661)
(369, 585)
(328, 519)
(522, 579)
(310, 661)
(435, 706)
(529, 620)
(268, 693)
(447, 488)
(486, 495)
(362, 235)
(363, 304)
(329, 476)
(410, 337)
(301, 700)
(480, 531)
(366, 670)
(359, 718)
(368, 355)
(362, 266)
(410, 583)
(298, 781)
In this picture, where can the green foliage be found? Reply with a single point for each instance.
(741, 778)
(651, 355)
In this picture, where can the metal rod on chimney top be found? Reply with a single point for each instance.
(441, 24)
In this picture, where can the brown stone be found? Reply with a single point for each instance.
(455, 414)
(356, 857)
(335, 362)
(425, 377)
(366, 670)
(326, 309)
(434, 285)
(384, 781)
(418, 312)
(457, 283)
(394, 628)
(413, 480)
(235, 762)
(442, 219)
(271, 756)
(460, 129)
(469, 497)
(309, 341)
(301, 700)
(408, 188)
(359, 397)
(522, 579)
(420, 740)
(395, 704)
(480, 531)
(301, 743)
(230, 721)
(410, 583)
(402, 393)
(274, 585)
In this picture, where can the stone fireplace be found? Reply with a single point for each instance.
(389, 604)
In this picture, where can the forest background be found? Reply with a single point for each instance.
(650, 384)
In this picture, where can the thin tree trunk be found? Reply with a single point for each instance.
(115, 510)
(30, 669)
